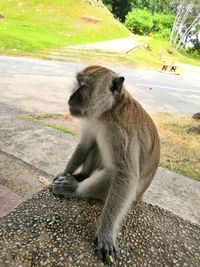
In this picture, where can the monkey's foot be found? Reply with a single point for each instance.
(107, 250)
(64, 186)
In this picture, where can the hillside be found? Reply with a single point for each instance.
(28, 26)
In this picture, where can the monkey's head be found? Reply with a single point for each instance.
(97, 90)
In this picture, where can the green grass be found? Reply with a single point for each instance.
(140, 57)
(36, 27)
(40, 120)
(30, 26)
(159, 48)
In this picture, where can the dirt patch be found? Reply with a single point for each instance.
(90, 20)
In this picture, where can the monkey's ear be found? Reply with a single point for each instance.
(117, 85)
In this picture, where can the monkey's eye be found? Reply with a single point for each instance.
(83, 86)
(81, 83)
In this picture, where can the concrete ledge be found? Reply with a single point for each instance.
(49, 150)
(46, 231)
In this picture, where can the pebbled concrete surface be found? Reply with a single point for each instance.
(48, 150)
(46, 231)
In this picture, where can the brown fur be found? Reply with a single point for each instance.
(131, 116)
(119, 150)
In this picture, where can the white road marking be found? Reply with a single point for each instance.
(170, 107)
(167, 87)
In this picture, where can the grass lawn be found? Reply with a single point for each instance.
(151, 53)
(30, 26)
(36, 27)
(179, 134)
(180, 143)
(148, 55)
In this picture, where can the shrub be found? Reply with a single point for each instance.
(194, 53)
(164, 33)
(139, 21)
(162, 22)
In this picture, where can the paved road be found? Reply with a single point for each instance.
(44, 86)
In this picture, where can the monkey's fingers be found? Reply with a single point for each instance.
(49, 187)
(64, 187)
(108, 253)
(61, 176)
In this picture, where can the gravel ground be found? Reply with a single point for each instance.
(46, 231)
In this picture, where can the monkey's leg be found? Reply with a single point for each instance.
(96, 186)
(92, 162)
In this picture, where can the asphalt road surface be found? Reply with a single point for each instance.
(44, 86)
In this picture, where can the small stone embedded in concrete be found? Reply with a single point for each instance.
(47, 231)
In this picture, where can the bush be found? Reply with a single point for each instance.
(194, 53)
(139, 21)
(162, 22)
(164, 33)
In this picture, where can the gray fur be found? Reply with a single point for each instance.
(119, 156)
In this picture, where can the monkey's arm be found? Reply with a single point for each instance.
(119, 190)
(79, 155)
(121, 193)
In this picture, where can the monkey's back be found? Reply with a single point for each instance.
(139, 127)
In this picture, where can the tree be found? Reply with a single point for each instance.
(119, 8)
(159, 6)
(186, 24)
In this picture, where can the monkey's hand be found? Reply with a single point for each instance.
(59, 175)
(64, 186)
(107, 250)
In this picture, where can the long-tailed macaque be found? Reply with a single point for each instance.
(118, 152)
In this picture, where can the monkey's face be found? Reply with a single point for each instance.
(97, 90)
(78, 100)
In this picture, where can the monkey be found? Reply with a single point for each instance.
(118, 152)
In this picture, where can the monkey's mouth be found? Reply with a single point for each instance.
(76, 112)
